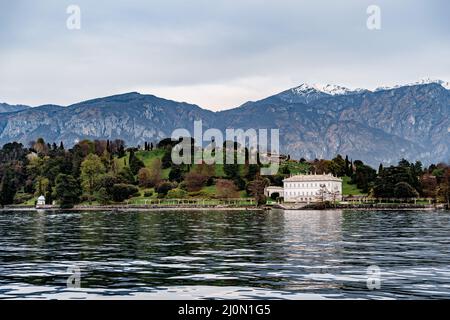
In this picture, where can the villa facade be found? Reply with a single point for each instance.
(309, 188)
(312, 188)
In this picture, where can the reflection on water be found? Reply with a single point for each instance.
(180, 255)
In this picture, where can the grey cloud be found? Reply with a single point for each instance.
(213, 47)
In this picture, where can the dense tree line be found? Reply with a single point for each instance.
(106, 171)
(404, 180)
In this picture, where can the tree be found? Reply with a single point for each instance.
(67, 190)
(226, 189)
(163, 189)
(144, 176)
(86, 147)
(429, 185)
(231, 170)
(348, 167)
(195, 181)
(285, 170)
(42, 185)
(322, 166)
(443, 193)
(103, 196)
(8, 187)
(363, 177)
(155, 172)
(126, 176)
(107, 182)
(389, 177)
(252, 171)
(135, 163)
(256, 189)
(176, 174)
(443, 190)
(167, 159)
(41, 147)
(121, 149)
(205, 169)
(337, 166)
(403, 190)
(13, 152)
(121, 191)
(239, 183)
(91, 169)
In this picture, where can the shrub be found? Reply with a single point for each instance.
(123, 191)
(200, 194)
(148, 194)
(107, 181)
(176, 194)
(163, 188)
(195, 181)
(126, 176)
(103, 197)
(226, 189)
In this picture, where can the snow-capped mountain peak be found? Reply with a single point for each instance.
(306, 93)
(330, 89)
(444, 84)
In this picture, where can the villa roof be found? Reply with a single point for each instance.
(312, 177)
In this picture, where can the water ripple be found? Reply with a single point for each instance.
(225, 255)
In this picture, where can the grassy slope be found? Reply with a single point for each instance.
(350, 189)
(296, 167)
(147, 158)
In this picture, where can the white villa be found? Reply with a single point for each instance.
(309, 188)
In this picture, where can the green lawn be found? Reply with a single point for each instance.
(295, 167)
(120, 162)
(147, 158)
(212, 191)
(350, 189)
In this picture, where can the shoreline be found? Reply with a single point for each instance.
(366, 207)
(120, 208)
(137, 208)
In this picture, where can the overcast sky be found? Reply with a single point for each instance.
(214, 53)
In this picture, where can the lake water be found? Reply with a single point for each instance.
(224, 255)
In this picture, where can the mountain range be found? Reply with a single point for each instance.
(316, 121)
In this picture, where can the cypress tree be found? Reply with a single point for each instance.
(7, 187)
(348, 170)
(135, 163)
